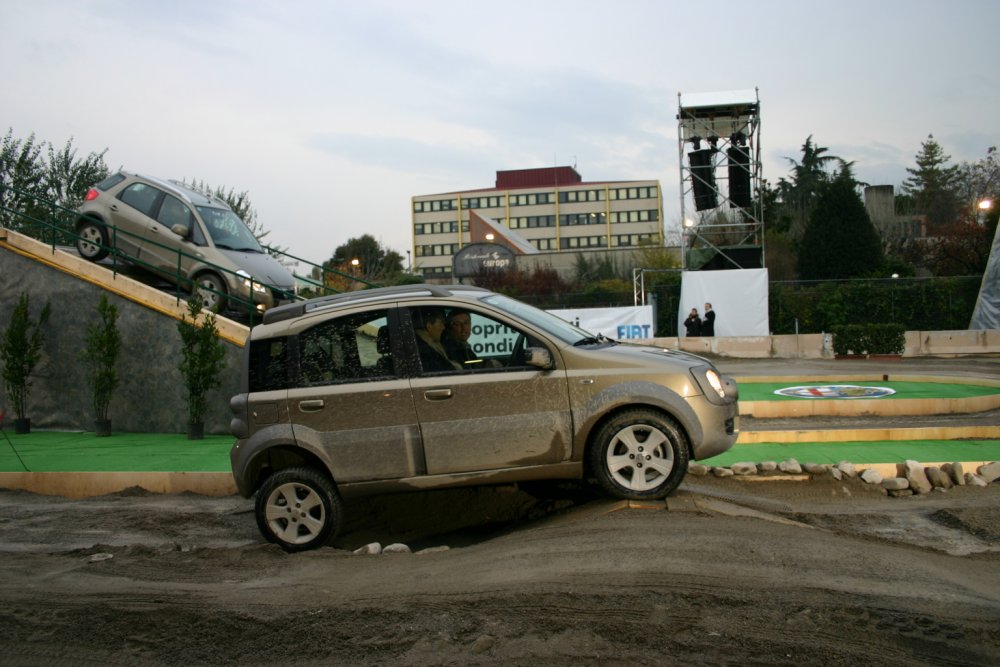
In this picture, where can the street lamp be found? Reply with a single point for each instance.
(984, 206)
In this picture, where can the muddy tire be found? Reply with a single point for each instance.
(640, 455)
(298, 509)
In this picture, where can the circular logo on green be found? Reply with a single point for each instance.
(835, 391)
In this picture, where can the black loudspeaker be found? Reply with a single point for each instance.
(739, 175)
(703, 179)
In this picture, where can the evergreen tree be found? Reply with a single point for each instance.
(932, 185)
(840, 240)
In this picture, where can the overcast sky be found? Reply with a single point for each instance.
(333, 114)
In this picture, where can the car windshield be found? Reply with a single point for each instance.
(228, 231)
(547, 322)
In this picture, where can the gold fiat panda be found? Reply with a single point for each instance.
(427, 386)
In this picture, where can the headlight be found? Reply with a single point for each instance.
(716, 389)
(250, 283)
(716, 382)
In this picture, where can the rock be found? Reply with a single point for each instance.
(791, 467)
(767, 466)
(900, 493)
(722, 472)
(836, 473)
(957, 473)
(98, 557)
(744, 468)
(895, 484)
(814, 468)
(847, 468)
(697, 469)
(871, 476)
(972, 479)
(483, 644)
(917, 477)
(990, 471)
(433, 550)
(372, 548)
(938, 478)
(396, 548)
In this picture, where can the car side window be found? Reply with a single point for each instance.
(482, 343)
(174, 212)
(268, 364)
(352, 348)
(141, 197)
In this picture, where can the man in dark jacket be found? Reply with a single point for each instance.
(708, 324)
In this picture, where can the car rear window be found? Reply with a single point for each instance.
(110, 182)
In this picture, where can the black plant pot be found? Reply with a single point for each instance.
(102, 427)
(22, 425)
(196, 431)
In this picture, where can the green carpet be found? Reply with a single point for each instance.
(55, 451)
(50, 451)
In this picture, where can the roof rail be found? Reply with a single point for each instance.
(299, 308)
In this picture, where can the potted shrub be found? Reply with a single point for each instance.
(20, 352)
(103, 343)
(202, 359)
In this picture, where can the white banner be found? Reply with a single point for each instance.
(617, 323)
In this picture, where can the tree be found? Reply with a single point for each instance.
(840, 240)
(799, 194)
(100, 354)
(28, 181)
(20, 352)
(68, 178)
(932, 185)
(976, 182)
(21, 178)
(961, 248)
(202, 359)
(375, 263)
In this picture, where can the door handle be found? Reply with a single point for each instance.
(437, 394)
(313, 405)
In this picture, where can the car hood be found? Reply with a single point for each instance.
(261, 267)
(645, 355)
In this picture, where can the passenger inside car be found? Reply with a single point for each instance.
(428, 324)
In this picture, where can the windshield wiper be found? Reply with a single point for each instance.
(594, 340)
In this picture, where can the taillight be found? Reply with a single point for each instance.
(92, 194)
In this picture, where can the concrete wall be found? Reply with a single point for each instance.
(150, 396)
(820, 346)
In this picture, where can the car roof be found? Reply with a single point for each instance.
(379, 294)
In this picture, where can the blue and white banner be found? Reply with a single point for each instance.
(634, 322)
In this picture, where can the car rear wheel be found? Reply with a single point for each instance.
(212, 291)
(92, 240)
(298, 509)
(640, 455)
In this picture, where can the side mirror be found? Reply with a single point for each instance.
(540, 357)
(180, 230)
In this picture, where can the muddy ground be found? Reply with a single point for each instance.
(734, 572)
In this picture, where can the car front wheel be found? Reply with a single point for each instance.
(92, 240)
(298, 509)
(212, 292)
(640, 455)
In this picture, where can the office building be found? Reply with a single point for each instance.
(552, 209)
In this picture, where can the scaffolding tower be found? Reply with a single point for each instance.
(718, 144)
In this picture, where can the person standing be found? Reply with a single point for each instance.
(692, 325)
(708, 323)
